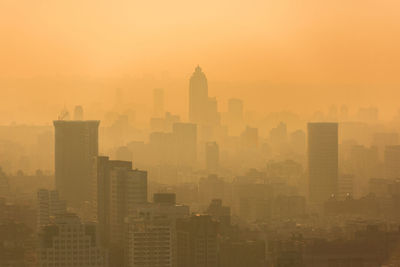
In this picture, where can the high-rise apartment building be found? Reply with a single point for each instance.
(49, 206)
(76, 144)
(69, 242)
(151, 242)
(101, 193)
(118, 189)
(151, 232)
(322, 161)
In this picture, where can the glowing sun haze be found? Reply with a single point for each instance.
(297, 55)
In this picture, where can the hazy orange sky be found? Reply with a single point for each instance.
(281, 54)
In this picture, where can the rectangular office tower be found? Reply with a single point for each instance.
(76, 144)
(322, 161)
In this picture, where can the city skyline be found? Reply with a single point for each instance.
(199, 134)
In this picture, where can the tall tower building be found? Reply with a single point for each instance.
(198, 97)
(76, 144)
(101, 193)
(322, 161)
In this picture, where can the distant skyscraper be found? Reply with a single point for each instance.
(322, 161)
(212, 156)
(158, 102)
(78, 113)
(185, 135)
(76, 144)
(198, 97)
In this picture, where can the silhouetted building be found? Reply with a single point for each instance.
(17, 245)
(76, 144)
(211, 187)
(164, 198)
(197, 241)
(151, 241)
(322, 161)
(219, 212)
(49, 205)
(198, 97)
(212, 156)
(103, 169)
(151, 236)
(163, 206)
(118, 191)
(68, 242)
